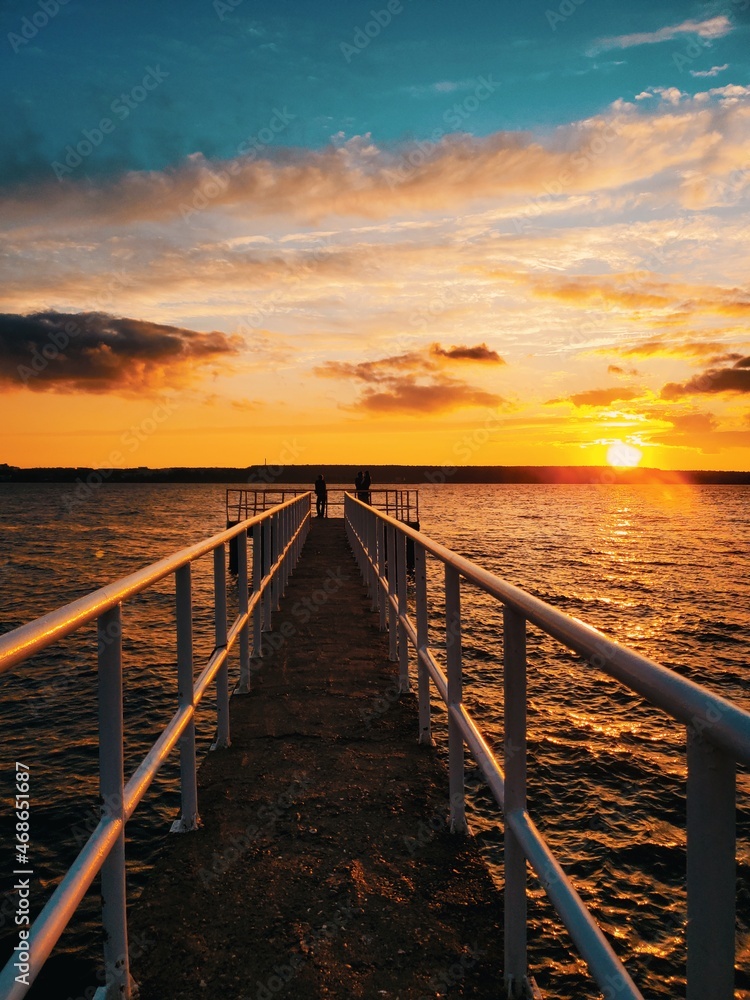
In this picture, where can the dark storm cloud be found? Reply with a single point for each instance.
(734, 379)
(96, 352)
(481, 352)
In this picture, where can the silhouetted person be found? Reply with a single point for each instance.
(366, 482)
(358, 485)
(321, 496)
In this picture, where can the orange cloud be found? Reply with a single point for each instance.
(412, 383)
(696, 350)
(598, 397)
(636, 292)
(703, 136)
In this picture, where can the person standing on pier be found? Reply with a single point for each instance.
(321, 496)
(358, 485)
(365, 494)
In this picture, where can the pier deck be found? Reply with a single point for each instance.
(324, 866)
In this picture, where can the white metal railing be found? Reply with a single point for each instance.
(278, 536)
(718, 735)
(242, 503)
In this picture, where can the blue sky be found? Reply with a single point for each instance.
(230, 67)
(525, 226)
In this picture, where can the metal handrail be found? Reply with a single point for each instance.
(278, 536)
(243, 502)
(718, 735)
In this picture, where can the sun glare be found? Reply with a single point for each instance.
(624, 456)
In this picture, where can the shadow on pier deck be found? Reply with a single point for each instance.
(324, 867)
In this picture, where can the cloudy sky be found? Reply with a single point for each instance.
(450, 233)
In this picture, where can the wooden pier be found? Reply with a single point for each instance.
(324, 866)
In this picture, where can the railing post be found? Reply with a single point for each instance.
(243, 686)
(220, 631)
(455, 697)
(392, 614)
(403, 638)
(514, 670)
(423, 677)
(274, 556)
(382, 598)
(257, 577)
(118, 983)
(711, 876)
(372, 558)
(185, 680)
(285, 539)
(267, 600)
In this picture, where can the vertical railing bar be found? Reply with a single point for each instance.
(423, 677)
(274, 556)
(118, 983)
(220, 633)
(243, 686)
(455, 697)
(266, 546)
(403, 637)
(185, 679)
(372, 557)
(514, 904)
(392, 614)
(382, 598)
(711, 874)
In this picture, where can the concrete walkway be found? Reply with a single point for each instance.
(323, 867)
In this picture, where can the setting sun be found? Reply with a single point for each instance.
(624, 456)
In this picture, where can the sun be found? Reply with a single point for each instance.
(624, 456)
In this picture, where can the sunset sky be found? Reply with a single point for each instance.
(406, 231)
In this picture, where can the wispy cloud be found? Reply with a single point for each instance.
(714, 27)
(683, 142)
(714, 71)
(598, 397)
(441, 87)
(697, 351)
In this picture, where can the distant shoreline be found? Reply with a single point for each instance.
(270, 476)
